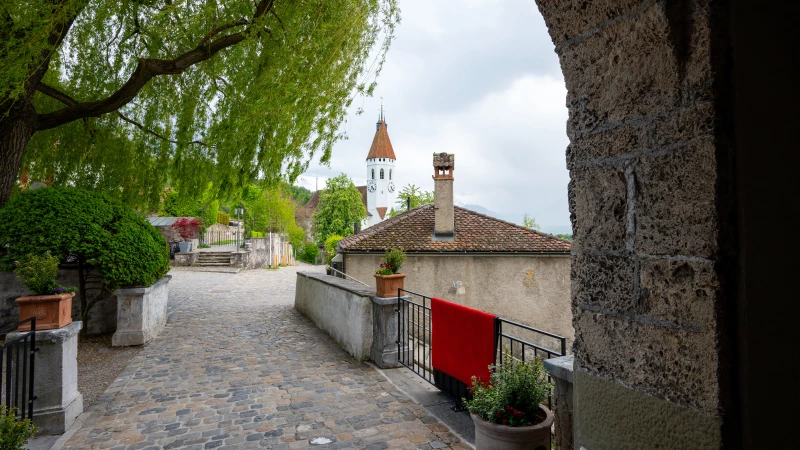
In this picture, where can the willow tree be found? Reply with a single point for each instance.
(129, 95)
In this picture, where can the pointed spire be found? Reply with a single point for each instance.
(381, 145)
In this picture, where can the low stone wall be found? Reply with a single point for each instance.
(102, 317)
(141, 313)
(341, 308)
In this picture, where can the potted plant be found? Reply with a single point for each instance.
(508, 411)
(187, 228)
(50, 303)
(387, 280)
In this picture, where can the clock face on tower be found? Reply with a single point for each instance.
(371, 186)
(391, 187)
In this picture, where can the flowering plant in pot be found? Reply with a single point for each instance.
(50, 303)
(187, 228)
(387, 278)
(508, 411)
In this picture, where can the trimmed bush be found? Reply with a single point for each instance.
(102, 231)
(309, 253)
(14, 433)
(223, 218)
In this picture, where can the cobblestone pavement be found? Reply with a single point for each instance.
(238, 367)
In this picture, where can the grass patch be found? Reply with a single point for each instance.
(225, 242)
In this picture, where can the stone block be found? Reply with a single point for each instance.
(185, 259)
(671, 363)
(141, 313)
(626, 70)
(675, 202)
(681, 126)
(605, 282)
(680, 292)
(598, 200)
(566, 19)
(58, 402)
(606, 143)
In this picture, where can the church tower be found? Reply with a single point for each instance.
(381, 174)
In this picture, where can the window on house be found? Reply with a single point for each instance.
(381, 174)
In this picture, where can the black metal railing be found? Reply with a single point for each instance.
(17, 369)
(414, 333)
(526, 342)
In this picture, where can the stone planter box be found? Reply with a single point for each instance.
(51, 311)
(387, 285)
(141, 313)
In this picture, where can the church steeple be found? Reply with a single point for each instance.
(381, 119)
(381, 145)
(380, 173)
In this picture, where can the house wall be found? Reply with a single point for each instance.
(534, 290)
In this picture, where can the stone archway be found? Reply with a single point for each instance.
(651, 198)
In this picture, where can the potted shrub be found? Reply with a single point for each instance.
(50, 303)
(387, 280)
(187, 228)
(508, 411)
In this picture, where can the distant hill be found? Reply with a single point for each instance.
(481, 209)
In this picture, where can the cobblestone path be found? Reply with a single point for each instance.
(238, 367)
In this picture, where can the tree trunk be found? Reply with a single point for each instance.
(14, 137)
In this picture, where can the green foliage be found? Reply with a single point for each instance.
(14, 434)
(300, 194)
(340, 207)
(309, 253)
(176, 205)
(210, 214)
(268, 209)
(38, 273)
(417, 195)
(263, 105)
(530, 223)
(566, 237)
(256, 234)
(223, 218)
(513, 394)
(102, 231)
(392, 261)
(203, 246)
(330, 247)
(296, 235)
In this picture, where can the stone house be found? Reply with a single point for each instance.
(472, 259)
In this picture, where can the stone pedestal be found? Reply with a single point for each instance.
(58, 402)
(560, 370)
(384, 332)
(141, 313)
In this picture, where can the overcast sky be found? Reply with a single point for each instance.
(478, 79)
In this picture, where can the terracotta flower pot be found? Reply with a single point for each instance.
(387, 285)
(501, 437)
(51, 311)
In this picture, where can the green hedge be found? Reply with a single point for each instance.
(256, 234)
(103, 231)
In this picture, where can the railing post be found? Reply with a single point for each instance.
(561, 370)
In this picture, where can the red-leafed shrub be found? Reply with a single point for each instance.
(187, 228)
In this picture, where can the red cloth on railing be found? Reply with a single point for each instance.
(462, 340)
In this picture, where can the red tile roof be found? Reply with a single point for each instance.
(475, 232)
(381, 145)
(382, 211)
(313, 202)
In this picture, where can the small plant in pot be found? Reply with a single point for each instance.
(508, 411)
(187, 228)
(50, 303)
(387, 278)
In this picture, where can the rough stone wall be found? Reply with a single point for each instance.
(648, 193)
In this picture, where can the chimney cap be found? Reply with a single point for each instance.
(443, 166)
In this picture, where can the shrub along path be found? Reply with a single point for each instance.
(238, 367)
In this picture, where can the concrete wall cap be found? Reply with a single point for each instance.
(57, 336)
(142, 289)
(382, 301)
(560, 367)
(346, 285)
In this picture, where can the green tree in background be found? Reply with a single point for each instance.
(417, 195)
(566, 237)
(129, 96)
(300, 194)
(530, 223)
(340, 207)
(269, 210)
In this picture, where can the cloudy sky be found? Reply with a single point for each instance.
(480, 79)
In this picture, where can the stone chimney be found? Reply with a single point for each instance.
(443, 166)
